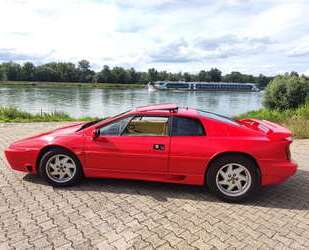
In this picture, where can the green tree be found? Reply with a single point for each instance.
(69, 72)
(2, 74)
(11, 71)
(144, 77)
(187, 77)
(120, 75)
(286, 91)
(294, 73)
(52, 72)
(262, 81)
(215, 75)
(133, 75)
(84, 71)
(171, 77)
(162, 75)
(203, 76)
(105, 75)
(84, 65)
(233, 77)
(249, 78)
(45, 73)
(153, 75)
(66, 71)
(27, 72)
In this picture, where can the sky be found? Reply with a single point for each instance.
(251, 36)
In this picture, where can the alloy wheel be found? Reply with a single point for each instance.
(60, 168)
(233, 179)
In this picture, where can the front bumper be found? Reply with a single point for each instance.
(20, 159)
(275, 172)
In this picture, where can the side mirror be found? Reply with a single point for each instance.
(95, 134)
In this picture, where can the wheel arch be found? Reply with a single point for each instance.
(47, 148)
(231, 153)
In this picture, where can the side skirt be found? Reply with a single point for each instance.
(156, 177)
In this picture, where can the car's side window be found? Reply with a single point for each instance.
(147, 126)
(185, 126)
(115, 128)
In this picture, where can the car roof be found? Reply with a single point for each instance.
(166, 108)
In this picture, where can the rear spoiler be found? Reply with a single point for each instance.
(272, 130)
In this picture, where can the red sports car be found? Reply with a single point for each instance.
(162, 143)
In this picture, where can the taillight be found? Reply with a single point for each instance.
(290, 138)
(288, 152)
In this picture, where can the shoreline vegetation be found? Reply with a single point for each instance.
(286, 101)
(73, 84)
(297, 120)
(82, 72)
(15, 115)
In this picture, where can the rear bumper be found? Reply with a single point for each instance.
(275, 172)
(23, 160)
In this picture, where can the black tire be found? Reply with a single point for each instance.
(44, 172)
(240, 161)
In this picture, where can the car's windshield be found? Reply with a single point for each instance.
(88, 124)
(218, 117)
(115, 116)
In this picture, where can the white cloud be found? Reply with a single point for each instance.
(306, 73)
(300, 48)
(278, 19)
(266, 36)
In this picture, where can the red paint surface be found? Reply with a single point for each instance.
(184, 160)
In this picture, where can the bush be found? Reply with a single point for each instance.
(12, 113)
(286, 92)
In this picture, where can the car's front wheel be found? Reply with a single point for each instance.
(233, 177)
(60, 168)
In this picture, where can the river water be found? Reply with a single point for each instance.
(105, 102)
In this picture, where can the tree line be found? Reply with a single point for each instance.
(82, 72)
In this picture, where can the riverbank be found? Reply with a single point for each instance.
(296, 120)
(73, 84)
(12, 114)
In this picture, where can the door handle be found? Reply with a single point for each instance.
(158, 146)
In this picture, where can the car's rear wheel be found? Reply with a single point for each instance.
(233, 177)
(60, 168)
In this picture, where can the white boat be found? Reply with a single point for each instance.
(202, 86)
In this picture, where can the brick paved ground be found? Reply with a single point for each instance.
(118, 214)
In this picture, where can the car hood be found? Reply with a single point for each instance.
(69, 129)
(47, 137)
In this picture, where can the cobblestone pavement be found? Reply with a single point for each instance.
(119, 214)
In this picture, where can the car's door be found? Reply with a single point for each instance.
(132, 144)
(188, 152)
